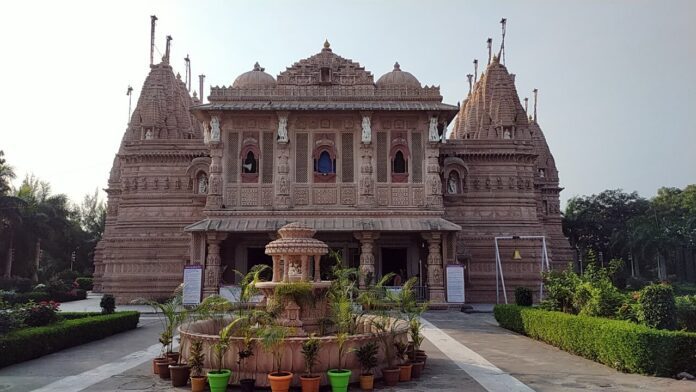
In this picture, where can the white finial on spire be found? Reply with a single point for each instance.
(470, 77)
(167, 51)
(475, 70)
(153, 19)
(535, 91)
(489, 43)
(501, 55)
(188, 72)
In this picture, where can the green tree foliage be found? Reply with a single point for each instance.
(37, 224)
(659, 234)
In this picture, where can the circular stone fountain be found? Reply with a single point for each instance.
(296, 258)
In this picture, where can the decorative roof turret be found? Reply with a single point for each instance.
(254, 78)
(397, 77)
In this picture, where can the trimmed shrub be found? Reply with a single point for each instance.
(30, 343)
(84, 283)
(598, 298)
(41, 314)
(72, 295)
(657, 308)
(20, 285)
(686, 312)
(523, 296)
(22, 298)
(620, 344)
(108, 304)
(67, 276)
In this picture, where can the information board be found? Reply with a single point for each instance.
(455, 283)
(193, 284)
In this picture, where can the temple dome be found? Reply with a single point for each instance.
(397, 77)
(254, 78)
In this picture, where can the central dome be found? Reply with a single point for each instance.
(397, 77)
(254, 78)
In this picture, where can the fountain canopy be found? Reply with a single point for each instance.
(291, 254)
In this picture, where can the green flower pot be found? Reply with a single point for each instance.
(339, 379)
(218, 381)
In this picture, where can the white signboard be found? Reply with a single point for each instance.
(193, 284)
(455, 283)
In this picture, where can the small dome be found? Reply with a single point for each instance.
(397, 77)
(254, 78)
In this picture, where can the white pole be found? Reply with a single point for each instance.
(497, 257)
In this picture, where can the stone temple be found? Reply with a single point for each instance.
(362, 160)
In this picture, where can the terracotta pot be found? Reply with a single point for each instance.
(218, 380)
(247, 384)
(405, 372)
(280, 382)
(163, 369)
(391, 376)
(310, 383)
(339, 379)
(179, 374)
(367, 382)
(155, 369)
(173, 356)
(421, 358)
(417, 369)
(197, 383)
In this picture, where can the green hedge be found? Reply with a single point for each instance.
(620, 344)
(30, 343)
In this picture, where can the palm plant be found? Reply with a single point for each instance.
(310, 352)
(223, 343)
(272, 340)
(172, 314)
(373, 294)
(367, 356)
(246, 350)
(415, 327)
(401, 349)
(196, 358)
(247, 285)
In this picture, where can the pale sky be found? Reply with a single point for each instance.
(616, 79)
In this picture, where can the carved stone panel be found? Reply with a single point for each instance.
(324, 196)
(301, 196)
(250, 197)
(348, 195)
(230, 199)
(418, 197)
(399, 197)
(383, 196)
(267, 196)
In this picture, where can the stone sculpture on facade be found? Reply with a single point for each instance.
(214, 129)
(366, 129)
(433, 134)
(282, 128)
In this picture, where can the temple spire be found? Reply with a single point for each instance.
(501, 55)
(489, 42)
(470, 77)
(201, 79)
(526, 102)
(535, 91)
(188, 72)
(167, 51)
(475, 70)
(153, 20)
(129, 93)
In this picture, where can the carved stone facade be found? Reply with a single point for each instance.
(362, 162)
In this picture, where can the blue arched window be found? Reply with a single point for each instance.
(325, 164)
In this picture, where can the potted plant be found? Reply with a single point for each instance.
(386, 328)
(246, 351)
(310, 352)
(367, 356)
(195, 361)
(218, 379)
(179, 372)
(404, 366)
(417, 356)
(339, 378)
(162, 362)
(171, 315)
(273, 341)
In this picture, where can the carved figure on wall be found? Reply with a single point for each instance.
(283, 190)
(433, 134)
(202, 184)
(206, 132)
(507, 134)
(452, 183)
(366, 130)
(215, 188)
(282, 129)
(148, 134)
(214, 129)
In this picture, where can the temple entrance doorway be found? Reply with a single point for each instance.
(258, 256)
(395, 260)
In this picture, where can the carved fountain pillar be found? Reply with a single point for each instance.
(211, 284)
(367, 258)
(436, 286)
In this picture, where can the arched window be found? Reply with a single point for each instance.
(250, 163)
(399, 165)
(325, 165)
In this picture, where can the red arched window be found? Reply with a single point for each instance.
(399, 156)
(249, 158)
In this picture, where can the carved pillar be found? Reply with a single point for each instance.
(305, 268)
(212, 264)
(433, 189)
(366, 195)
(282, 181)
(277, 269)
(436, 286)
(367, 258)
(214, 199)
(317, 268)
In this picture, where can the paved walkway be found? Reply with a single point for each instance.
(467, 352)
(91, 304)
